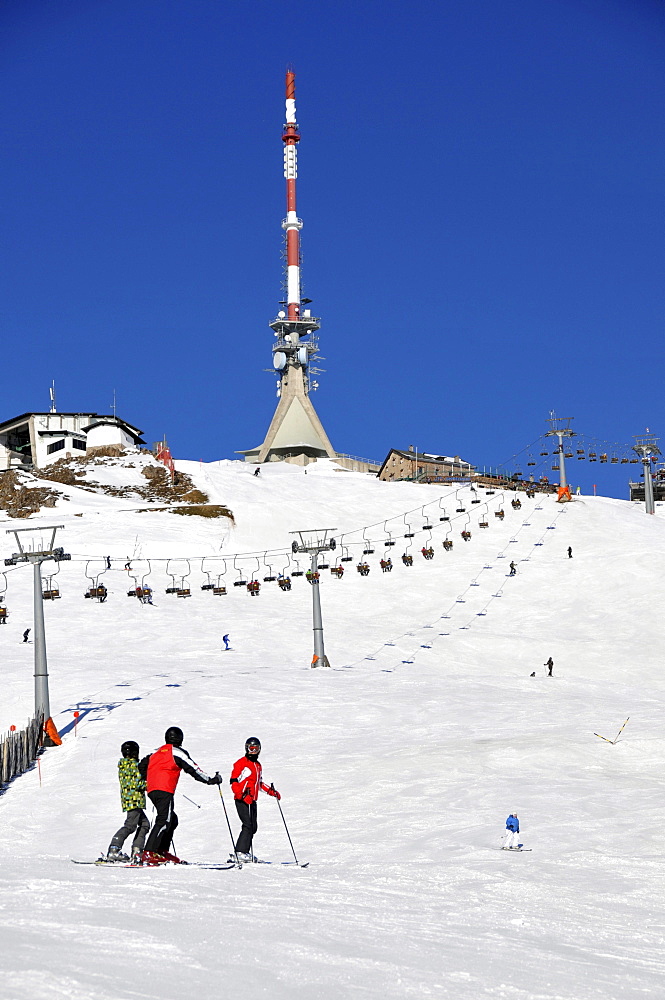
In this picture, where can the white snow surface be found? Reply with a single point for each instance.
(397, 766)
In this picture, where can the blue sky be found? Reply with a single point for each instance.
(482, 190)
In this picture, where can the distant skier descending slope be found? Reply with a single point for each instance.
(246, 781)
(226, 641)
(162, 771)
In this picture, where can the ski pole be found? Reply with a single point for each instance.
(219, 787)
(286, 827)
(192, 801)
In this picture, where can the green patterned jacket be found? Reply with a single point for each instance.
(132, 785)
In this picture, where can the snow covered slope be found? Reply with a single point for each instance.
(398, 766)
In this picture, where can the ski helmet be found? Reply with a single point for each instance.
(174, 735)
(253, 746)
(130, 749)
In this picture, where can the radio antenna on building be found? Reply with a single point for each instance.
(114, 402)
(51, 393)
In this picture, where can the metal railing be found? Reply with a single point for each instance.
(357, 458)
(18, 750)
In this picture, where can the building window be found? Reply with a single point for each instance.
(56, 446)
(81, 445)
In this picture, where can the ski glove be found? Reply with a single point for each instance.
(273, 791)
(215, 780)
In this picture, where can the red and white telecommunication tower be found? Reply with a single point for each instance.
(296, 433)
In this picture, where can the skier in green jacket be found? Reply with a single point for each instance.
(132, 799)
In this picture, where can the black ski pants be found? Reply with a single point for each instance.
(249, 819)
(165, 823)
(136, 822)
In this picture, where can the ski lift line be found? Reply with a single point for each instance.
(80, 557)
(482, 613)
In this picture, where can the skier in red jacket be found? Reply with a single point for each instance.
(162, 770)
(246, 782)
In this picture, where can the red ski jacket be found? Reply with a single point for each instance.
(246, 780)
(165, 765)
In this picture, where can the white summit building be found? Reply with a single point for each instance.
(35, 440)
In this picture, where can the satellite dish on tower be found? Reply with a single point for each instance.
(302, 355)
(281, 314)
(279, 360)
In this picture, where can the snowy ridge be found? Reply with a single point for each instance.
(396, 776)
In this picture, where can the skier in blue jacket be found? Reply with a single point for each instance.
(512, 833)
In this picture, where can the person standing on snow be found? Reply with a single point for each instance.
(162, 771)
(246, 781)
(513, 569)
(226, 641)
(512, 833)
(550, 666)
(570, 552)
(132, 800)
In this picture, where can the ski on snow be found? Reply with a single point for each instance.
(101, 863)
(300, 864)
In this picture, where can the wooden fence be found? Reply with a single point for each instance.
(18, 750)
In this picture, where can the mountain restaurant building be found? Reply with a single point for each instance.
(419, 466)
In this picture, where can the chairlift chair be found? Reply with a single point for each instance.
(270, 578)
(173, 589)
(219, 589)
(240, 582)
(298, 571)
(96, 591)
(209, 585)
(367, 550)
(51, 591)
(284, 580)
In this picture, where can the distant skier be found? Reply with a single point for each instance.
(132, 800)
(513, 569)
(512, 833)
(550, 666)
(162, 771)
(108, 562)
(246, 780)
(570, 552)
(533, 674)
(257, 472)
(226, 641)
(26, 634)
